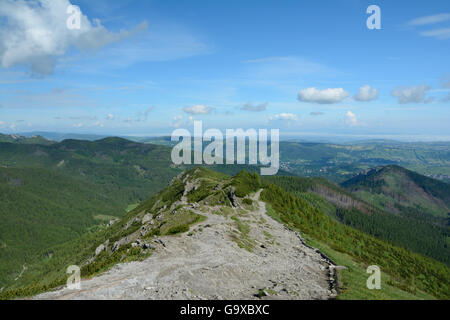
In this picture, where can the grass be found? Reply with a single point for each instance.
(131, 207)
(241, 237)
(180, 222)
(352, 281)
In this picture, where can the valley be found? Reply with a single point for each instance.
(105, 206)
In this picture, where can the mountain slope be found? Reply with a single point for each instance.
(40, 208)
(401, 191)
(428, 236)
(208, 264)
(203, 214)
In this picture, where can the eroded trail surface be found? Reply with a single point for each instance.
(208, 263)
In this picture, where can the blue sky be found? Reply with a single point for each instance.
(309, 68)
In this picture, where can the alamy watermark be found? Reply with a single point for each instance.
(374, 20)
(213, 153)
(73, 22)
(374, 280)
(74, 280)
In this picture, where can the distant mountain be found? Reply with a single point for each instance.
(56, 136)
(339, 163)
(35, 139)
(401, 191)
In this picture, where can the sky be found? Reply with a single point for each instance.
(308, 68)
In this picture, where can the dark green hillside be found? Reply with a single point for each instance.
(131, 170)
(402, 191)
(410, 271)
(426, 236)
(40, 208)
(55, 193)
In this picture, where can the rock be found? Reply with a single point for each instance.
(129, 223)
(111, 222)
(115, 246)
(161, 242)
(148, 246)
(100, 249)
(119, 243)
(147, 218)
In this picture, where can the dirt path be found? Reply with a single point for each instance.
(208, 264)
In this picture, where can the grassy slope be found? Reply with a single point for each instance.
(419, 235)
(400, 189)
(40, 208)
(54, 193)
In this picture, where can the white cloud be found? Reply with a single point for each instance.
(318, 113)
(78, 125)
(440, 34)
(284, 116)
(198, 109)
(1, 123)
(415, 94)
(35, 34)
(110, 116)
(326, 96)
(366, 93)
(351, 119)
(441, 17)
(254, 108)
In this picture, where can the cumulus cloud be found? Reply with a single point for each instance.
(254, 108)
(110, 116)
(351, 119)
(366, 93)
(284, 116)
(326, 96)
(198, 109)
(415, 94)
(35, 34)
